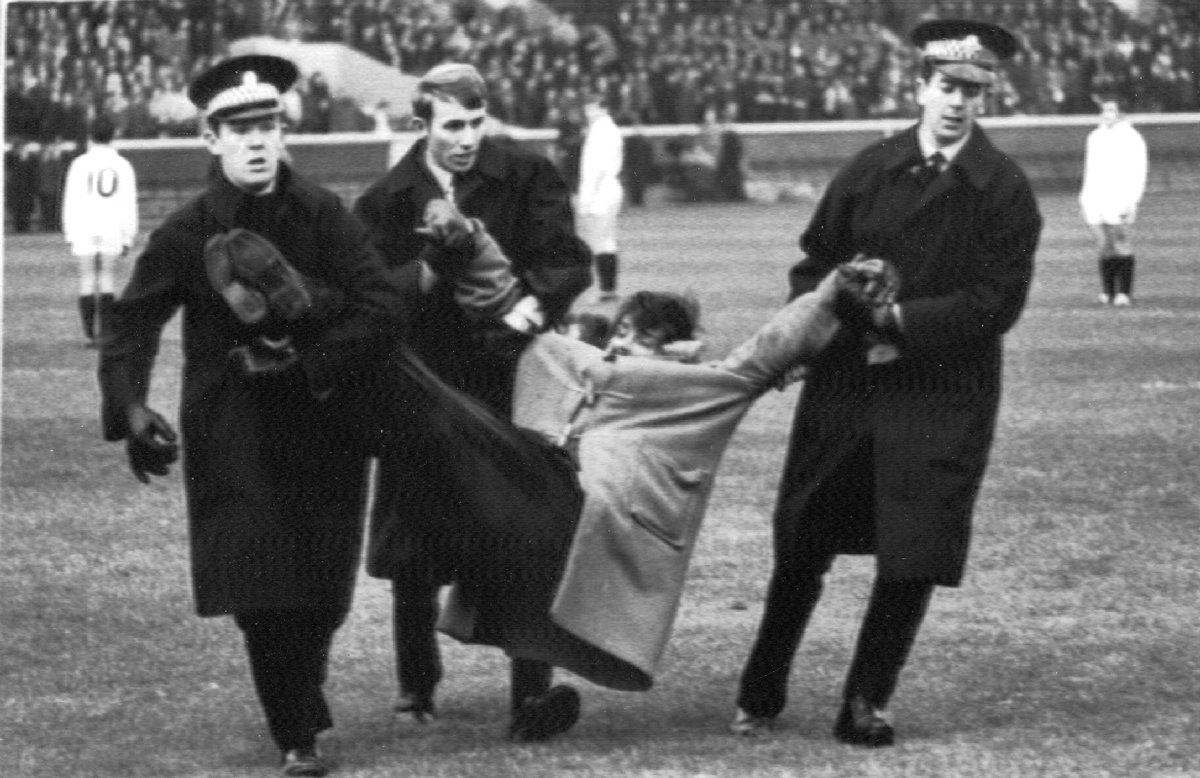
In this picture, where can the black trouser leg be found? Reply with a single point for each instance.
(1108, 275)
(792, 595)
(87, 315)
(1124, 274)
(606, 272)
(414, 621)
(889, 629)
(289, 656)
(529, 678)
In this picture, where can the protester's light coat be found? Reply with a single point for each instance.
(648, 435)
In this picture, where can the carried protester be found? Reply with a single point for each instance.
(576, 552)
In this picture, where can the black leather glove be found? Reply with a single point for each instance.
(253, 261)
(264, 358)
(247, 304)
(866, 290)
(450, 238)
(150, 443)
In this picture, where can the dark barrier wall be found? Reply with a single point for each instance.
(1050, 150)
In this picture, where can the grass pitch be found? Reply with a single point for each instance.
(1069, 651)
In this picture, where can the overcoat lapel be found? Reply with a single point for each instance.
(973, 164)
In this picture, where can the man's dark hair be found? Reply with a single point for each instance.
(676, 315)
(102, 130)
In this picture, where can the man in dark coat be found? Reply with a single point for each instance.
(894, 427)
(22, 174)
(274, 488)
(524, 204)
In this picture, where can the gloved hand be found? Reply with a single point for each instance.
(150, 443)
(866, 291)
(258, 263)
(881, 282)
(450, 236)
(445, 226)
(247, 304)
(264, 358)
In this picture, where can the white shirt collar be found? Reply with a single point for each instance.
(443, 177)
(928, 147)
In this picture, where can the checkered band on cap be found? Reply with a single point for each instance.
(968, 50)
(251, 92)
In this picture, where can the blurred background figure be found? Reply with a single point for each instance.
(100, 222)
(600, 193)
(1114, 180)
(639, 169)
(22, 166)
(731, 163)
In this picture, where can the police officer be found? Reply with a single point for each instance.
(274, 492)
(893, 430)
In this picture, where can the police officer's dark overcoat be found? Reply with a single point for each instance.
(274, 487)
(888, 458)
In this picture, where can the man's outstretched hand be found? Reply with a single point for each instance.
(450, 236)
(150, 443)
(866, 289)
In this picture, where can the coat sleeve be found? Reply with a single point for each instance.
(135, 325)
(826, 242)
(371, 208)
(553, 263)
(364, 329)
(991, 300)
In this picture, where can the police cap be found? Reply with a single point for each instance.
(245, 87)
(963, 48)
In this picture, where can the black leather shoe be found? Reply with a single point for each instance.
(862, 724)
(303, 762)
(541, 718)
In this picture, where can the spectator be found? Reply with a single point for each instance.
(21, 180)
(639, 168)
(52, 172)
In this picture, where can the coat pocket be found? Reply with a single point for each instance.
(664, 498)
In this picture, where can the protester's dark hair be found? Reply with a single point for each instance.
(676, 315)
(594, 328)
(102, 130)
(450, 81)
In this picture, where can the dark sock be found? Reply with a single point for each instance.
(1108, 275)
(1125, 265)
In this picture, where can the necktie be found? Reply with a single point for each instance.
(931, 168)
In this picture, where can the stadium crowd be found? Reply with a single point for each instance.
(659, 61)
